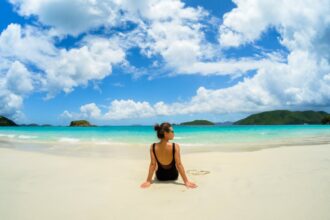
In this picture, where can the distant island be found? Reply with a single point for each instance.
(285, 117)
(224, 123)
(6, 122)
(35, 125)
(198, 122)
(80, 123)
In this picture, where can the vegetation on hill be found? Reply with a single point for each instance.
(6, 122)
(80, 123)
(284, 117)
(198, 122)
(326, 120)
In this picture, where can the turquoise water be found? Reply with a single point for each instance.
(188, 135)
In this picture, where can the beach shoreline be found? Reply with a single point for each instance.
(103, 149)
(277, 183)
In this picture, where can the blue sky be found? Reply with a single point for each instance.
(127, 62)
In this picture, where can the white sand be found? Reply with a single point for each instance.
(283, 183)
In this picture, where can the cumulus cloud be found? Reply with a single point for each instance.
(117, 110)
(78, 66)
(174, 30)
(29, 44)
(87, 111)
(123, 109)
(55, 69)
(15, 84)
(165, 27)
(70, 17)
(304, 28)
(62, 69)
(298, 23)
(90, 110)
(18, 79)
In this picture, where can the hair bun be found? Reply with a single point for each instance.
(157, 127)
(161, 128)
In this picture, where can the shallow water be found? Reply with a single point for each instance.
(131, 141)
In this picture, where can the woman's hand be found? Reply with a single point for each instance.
(146, 184)
(189, 184)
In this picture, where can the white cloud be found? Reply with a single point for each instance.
(175, 32)
(15, 84)
(18, 79)
(70, 17)
(77, 66)
(10, 104)
(66, 115)
(62, 69)
(90, 110)
(168, 28)
(122, 109)
(26, 44)
(304, 28)
(87, 111)
(118, 109)
(298, 23)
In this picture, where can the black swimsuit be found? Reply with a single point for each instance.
(166, 172)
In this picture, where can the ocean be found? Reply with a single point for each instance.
(219, 138)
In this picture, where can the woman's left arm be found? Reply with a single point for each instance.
(180, 168)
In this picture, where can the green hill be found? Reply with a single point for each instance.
(6, 122)
(284, 117)
(198, 122)
(80, 123)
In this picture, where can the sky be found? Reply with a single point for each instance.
(124, 62)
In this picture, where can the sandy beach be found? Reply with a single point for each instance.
(278, 183)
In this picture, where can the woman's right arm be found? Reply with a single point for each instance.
(180, 168)
(152, 167)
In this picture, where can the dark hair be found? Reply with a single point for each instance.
(165, 126)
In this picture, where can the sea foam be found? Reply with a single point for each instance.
(69, 140)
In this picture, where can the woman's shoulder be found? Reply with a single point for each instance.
(176, 146)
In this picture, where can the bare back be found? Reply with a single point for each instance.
(164, 155)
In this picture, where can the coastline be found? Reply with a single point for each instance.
(67, 146)
(277, 183)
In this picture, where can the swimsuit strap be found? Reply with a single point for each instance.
(173, 150)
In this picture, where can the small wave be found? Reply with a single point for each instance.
(69, 140)
(179, 138)
(26, 137)
(7, 135)
(102, 142)
(193, 145)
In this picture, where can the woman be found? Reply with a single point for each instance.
(166, 153)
